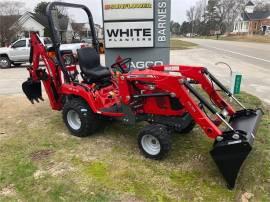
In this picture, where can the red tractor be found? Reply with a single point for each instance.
(163, 96)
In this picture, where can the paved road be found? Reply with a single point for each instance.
(250, 59)
(256, 53)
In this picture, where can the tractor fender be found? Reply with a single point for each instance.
(81, 92)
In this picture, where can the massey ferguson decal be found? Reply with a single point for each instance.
(129, 34)
(128, 6)
(128, 10)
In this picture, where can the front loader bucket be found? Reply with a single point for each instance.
(230, 152)
(32, 90)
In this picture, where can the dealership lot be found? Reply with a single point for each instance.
(255, 78)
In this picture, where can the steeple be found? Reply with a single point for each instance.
(250, 7)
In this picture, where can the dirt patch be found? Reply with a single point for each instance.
(8, 191)
(41, 154)
(60, 169)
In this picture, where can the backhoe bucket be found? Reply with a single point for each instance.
(230, 152)
(32, 90)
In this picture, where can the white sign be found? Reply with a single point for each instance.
(129, 34)
(128, 10)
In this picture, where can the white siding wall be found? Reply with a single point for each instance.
(241, 27)
(31, 25)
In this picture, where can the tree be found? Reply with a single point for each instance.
(42, 6)
(9, 14)
(78, 30)
(191, 17)
(11, 8)
(175, 28)
(212, 16)
(185, 28)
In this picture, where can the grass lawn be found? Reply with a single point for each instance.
(254, 38)
(177, 44)
(40, 161)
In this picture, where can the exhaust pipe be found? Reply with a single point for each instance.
(32, 90)
(232, 148)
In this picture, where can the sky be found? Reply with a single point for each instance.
(179, 7)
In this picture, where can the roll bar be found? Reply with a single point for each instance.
(54, 33)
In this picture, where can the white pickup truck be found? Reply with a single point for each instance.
(19, 52)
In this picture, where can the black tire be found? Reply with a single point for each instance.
(89, 121)
(5, 62)
(160, 134)
(187, 129)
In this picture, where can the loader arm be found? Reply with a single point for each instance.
(199, 75)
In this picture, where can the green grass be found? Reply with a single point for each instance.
(40, 161)
(177, 44)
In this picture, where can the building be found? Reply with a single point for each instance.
(29, 22)
(82, 30)
(252, 21)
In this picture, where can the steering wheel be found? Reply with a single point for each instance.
(122, 65)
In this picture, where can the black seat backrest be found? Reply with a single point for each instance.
(88, 58)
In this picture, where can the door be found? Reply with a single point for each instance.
(20, 51)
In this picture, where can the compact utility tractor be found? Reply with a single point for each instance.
(164, 96)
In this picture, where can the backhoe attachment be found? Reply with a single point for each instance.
(32, 90)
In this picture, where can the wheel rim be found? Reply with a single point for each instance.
(74, 120)
(3, 63)
(68, 60)
(151, 144)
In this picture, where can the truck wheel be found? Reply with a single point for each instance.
(79, 118)
(5, 62)
(187, 129)
(154, 141)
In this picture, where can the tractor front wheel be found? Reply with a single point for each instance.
(79, 118)
(155, 141)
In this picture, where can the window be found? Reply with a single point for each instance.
(19, 44)
(47, 41)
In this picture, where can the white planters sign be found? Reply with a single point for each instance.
(129, 34)
(128, 10)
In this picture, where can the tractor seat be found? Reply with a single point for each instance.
(91, 69)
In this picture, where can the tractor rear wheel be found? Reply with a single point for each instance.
(155, 141)
(79, 118)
